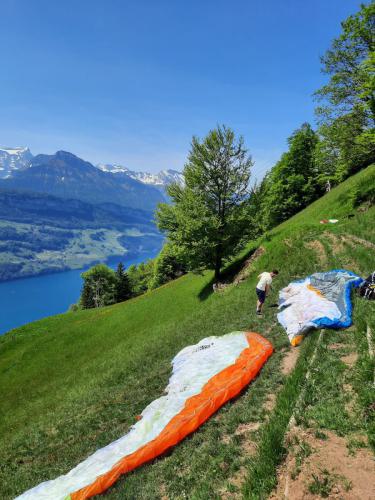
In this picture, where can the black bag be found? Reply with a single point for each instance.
(367, 289)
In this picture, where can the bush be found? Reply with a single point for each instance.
(168, 266)
(362, 193)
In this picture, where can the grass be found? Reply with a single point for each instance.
(271, 449)
(322, 485)
(72, 383)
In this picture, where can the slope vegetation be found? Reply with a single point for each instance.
(72, 383)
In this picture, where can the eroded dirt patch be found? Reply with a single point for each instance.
(288, 242)
(335, 346)
(237, 481)
(270, 402)
(350, 238)
(248, 449)
(327, 467)
(336, 242)
(247, 428)
(350, 359)
(248, 266)
(289, 361)
(318, 249)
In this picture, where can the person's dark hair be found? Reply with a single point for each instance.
(275, 271)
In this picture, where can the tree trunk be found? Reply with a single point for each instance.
(217, 264)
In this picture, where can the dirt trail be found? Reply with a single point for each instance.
(289, 360)
(319, 251)
(324, 466)
(247, 267)
(358, 241)
(336, 242)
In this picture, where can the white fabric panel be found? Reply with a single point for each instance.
(300, 306)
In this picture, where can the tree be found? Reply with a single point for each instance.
(168, 265)
(207, 217)
(345, 147)
(99, 284)
(140, 276)
(87, 296)
(347, 102)
(292, 183)
(122, 289)
(350, 62)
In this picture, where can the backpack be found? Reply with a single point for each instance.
(367, 289)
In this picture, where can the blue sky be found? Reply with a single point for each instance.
(131, 82)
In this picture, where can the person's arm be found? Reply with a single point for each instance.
(267, 289)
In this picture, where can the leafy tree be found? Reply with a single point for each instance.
(169, 264)
(99, 284)
(292, 183)
(347, 110)
(346, 146)
(123, 288)
(350, 62)
(256, 206)
(207, 218)
(140, 276)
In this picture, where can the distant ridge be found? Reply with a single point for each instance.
(163, 178)
(18, 158)
(66, 175)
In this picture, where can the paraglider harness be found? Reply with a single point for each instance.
(367, 289)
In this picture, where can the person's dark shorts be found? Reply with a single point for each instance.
(261, 295)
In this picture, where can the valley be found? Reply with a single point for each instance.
(59, 212)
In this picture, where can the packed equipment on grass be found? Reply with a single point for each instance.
(367, 288)
(204, 377)
(321, 300)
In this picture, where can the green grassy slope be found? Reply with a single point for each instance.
(72, 383)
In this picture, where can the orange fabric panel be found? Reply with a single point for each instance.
(313, 289)
(218, 390)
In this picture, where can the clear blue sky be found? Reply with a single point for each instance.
(131, 82)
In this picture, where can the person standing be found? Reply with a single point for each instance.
(263, 287)
(328, 186)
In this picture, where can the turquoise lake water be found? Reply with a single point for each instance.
(29, 299)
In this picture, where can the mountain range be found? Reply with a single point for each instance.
(64, 174)
(163, 178)
(19, 158)
(61, 212)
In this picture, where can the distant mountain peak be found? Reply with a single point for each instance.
(161, 179)
(13, 158)
(14, 151)
(66, 175)
(113, 168)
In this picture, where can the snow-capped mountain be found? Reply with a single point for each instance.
(162, 179)
(68, 176)
(12, 159)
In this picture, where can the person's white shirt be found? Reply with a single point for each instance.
(265, 279)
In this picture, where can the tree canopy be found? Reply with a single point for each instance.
(347, 102)
(99, 287)
(207, 217)
(292, 183)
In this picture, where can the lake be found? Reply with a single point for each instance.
(28, 299)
